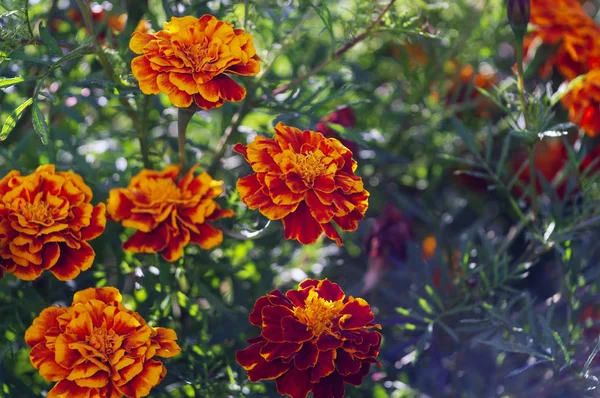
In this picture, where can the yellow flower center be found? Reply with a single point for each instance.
(318, 314)
(198, 55)
(102, 340)
(160, 190)
(310, 166)
(35, 212)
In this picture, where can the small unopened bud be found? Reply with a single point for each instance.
(519, 12)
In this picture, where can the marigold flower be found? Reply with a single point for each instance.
(188, 60)
(345, 117)
(168, 214)
(464, 89)
(386, 244)
(564, 23)
(583, 102)
(46, 219)
(98, 348)
(314, 339)
(306, 180)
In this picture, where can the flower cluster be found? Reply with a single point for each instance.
(564, 23)
(189, 61)
(46, 221)
(306, 180)
(98, 348)
(168, 214)
(314, 339)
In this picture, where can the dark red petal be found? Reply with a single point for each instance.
(249, 357)
(256, 314)
(329, 290)
(325, 366)
(346, 364)
(298, 297)
(307, 356)
(271, 351)
(356, 314)
(268, 370)
(294, 330)
(308, 283)
(241, 149)
(295, 383)
(356, 378)
(327, 342)
(330, 387)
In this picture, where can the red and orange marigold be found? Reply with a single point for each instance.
(188, 60)
(306, 180)
(583, 102)
(168, 214)
(98, 348)
(46, 221)
(314, 339)
(565, 24)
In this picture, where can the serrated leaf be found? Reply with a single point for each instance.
(9, 81)
(49, 41)
(12, 120)
(39, 123)
(524, 368)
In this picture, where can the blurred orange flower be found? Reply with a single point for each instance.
(583, 102)
(168, 214)
(344, 117)
(188, 60)
(306, 180)
(564, 24)
(464, 89)
(46, 219)
(314, 339)
(98, 348)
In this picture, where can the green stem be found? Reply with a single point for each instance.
(528, 127)
(31, 36)
(183, 119)
(143, 133)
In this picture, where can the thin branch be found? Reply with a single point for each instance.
(341, 51)
(236, 120)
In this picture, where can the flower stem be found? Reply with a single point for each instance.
(143, 133)
(528, 126)
(183, 119)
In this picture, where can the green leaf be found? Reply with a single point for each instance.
(12, 120)
(39, 123)
(9, 81)
(50, 42)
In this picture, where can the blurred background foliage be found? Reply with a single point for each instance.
(482, 290)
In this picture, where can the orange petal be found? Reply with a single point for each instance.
(68, 389)
(208, 237)
(173, 251)
(146, 76)
(108, 295)
(139, 40)
(249, 69)
(207, 105)
(185, 82)
(229, 89)
(150, 242)
(178, 98)
(141, 384)
(46, 320)
(72, 261)
(97, 223)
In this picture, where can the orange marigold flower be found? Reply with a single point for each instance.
(306, 180)
(46, 219)
(168, 214)
(188, 60)
(464, 89)
(583, 102)
(314, 339)
(565, 24)
(98, 348)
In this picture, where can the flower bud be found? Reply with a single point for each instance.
(519, 12)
